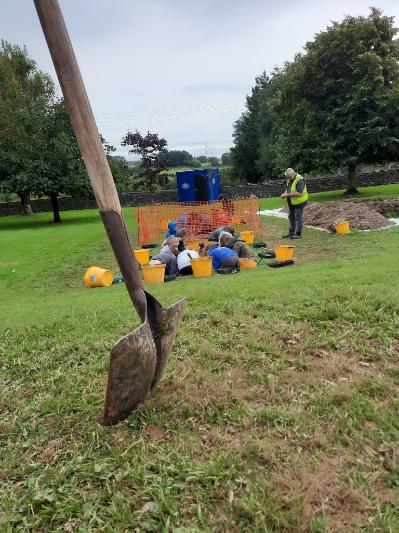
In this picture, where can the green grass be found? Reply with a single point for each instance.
(278, 410)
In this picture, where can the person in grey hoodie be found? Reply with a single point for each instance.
(168, 255)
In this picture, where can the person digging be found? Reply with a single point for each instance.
(297, 196)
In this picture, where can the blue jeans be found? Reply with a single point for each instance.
(295, 216)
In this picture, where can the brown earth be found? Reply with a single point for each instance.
(360, 216)
(385, 207)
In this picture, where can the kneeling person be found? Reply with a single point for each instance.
(238, 245)
(184, 262)
(223, 257)
(168, 255)
(216, 233)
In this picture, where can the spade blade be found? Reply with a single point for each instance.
(164, 323)
(131, 371)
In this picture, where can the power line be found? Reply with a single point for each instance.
(173, 109)
(182, 114)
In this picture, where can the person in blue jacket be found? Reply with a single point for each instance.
(223, 257)
(174, 231)
(171, 230)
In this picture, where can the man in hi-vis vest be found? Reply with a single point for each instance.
(296, 195)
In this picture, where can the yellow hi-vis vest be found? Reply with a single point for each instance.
(299, 199)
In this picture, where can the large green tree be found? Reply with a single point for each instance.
(337, 107)
(59, 169)
(26, 94)
(39, 153)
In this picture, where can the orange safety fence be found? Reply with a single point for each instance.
(199, 218)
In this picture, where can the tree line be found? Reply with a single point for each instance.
(331, 109)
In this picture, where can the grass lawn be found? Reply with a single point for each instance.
(278, 410)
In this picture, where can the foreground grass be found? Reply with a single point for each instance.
(278, 410)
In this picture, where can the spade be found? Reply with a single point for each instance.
(138, 359)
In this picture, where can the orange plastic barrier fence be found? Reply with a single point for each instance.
(199, 218)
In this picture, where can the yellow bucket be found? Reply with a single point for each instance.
(342, 227)
(247, 236)
(193, 244)
(154, 274)
(245, 262)
(202, 267)
(98, 277)
(164, 224)
(284, 252)
(142, 255)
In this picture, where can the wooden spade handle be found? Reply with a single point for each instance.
(78, 104)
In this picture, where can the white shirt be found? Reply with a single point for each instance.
(183, 259)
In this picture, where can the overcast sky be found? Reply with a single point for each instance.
(178, 68)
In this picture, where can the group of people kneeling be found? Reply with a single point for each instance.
(225, 249)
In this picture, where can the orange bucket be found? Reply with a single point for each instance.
(142, 255)
(98, 277)
(284, 252)
(248, 236)
(154, 274)
(202, 267)
(342, 227)
(245, 262)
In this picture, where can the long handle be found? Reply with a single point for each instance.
(90, 145)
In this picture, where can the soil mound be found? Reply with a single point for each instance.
(360, 216)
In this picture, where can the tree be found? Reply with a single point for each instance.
(121, 172)
(120, 168)
(26, 94)
(60, 168)
(248, 133)
(176, 158)
(202, 159)
(213, 161)
(226, 158)
(148, 147)
(338, 104)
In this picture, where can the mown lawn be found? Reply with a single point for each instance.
(278, 410)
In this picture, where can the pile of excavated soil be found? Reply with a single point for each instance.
(360, 216)
(385, 207)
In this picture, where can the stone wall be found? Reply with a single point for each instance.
(68, 204)
(262, 190)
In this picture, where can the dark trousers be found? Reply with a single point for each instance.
(186, 271)
(295, 216)
(231, 262)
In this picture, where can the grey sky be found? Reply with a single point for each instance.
(178, 68)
